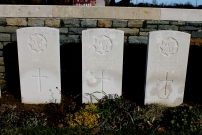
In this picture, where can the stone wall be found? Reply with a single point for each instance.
(135, 28)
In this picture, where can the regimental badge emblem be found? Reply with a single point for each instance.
(168, 47)
(102, 45)
(37, 43)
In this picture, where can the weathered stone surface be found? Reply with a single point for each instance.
(197, 42)
(71, 22)
(181, 14)
(195, 24)
(177, 23)
(189, 32)
(5, 43)
(168, 27)
(111, 12)
(70, 39)
(5, 37)
(39, 65)
(25, 11)
(138, 40)
(152, 26)
(2, 76)
(3, 84)
(188, 28)
(147, 29)
(75, 31)
(125, 39)
(2, 21)
(104, 23)
(92, 12)
(166, 67)
(1, 61)
(157, 22)
(16, 21)
(52, 22)
(120, 23)
(100, 3)
(63, 30)
(1, 45)
(2, 69)
(88, 23)
(10, 29)
(196, 34)
(135, 23)
(33, 22)
(14, 37)
(1, 53)
(129, 31)
(81, 12)
(102, 62)
(143, 33)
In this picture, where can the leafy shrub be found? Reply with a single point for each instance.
(11, 116)
(149, 116)
(85, 117)
(59, 111)
(116, 113)
(184, 117)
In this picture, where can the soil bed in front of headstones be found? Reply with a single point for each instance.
(54, 113)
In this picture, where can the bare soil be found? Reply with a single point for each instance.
(55, 113)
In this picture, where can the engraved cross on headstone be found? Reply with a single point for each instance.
(103, 79)
(166, 82)
(39, 79)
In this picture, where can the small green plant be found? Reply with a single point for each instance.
(184, 117)
(85, 117)
(149, 116)
(10, 116)
(116, 113)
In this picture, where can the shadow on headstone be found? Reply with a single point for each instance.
(71, 70)
(133, 71)
(193, 85)
(12, 69)
(134, 68)
(134, 64)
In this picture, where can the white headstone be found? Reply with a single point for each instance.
(102, 60)
(39, 65)
(166, 67)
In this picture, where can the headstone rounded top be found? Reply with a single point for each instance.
(36, 28)
(168, 32)
(102, 30)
